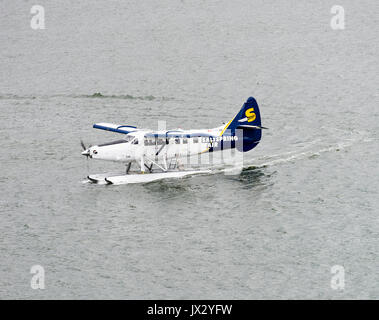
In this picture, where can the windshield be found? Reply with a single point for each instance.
(128, 138)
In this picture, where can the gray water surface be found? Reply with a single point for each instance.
(307, 199)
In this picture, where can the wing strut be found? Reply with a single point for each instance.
(153, 162)
(160, 149)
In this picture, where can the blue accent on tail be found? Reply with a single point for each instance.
(246, 123)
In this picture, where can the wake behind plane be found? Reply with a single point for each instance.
(158, 153)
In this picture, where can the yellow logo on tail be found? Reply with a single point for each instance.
(250, 114)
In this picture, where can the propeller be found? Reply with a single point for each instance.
(83, 145)
(85, 153)
(85, 149)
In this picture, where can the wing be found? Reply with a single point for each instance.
(115, 127)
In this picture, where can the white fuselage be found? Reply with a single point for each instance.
(143, 144)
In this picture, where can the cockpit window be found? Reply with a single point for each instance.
(128, 138)
(135, 141)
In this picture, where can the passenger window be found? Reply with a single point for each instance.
(184, 140)
(177, 140)
(195, 140)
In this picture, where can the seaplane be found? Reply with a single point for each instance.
(158, 154)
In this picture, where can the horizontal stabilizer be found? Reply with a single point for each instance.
(248, 127)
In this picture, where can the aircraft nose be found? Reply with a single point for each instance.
(90, 152)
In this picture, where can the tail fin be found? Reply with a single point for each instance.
(247, 119)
